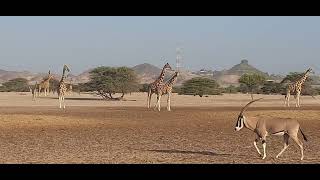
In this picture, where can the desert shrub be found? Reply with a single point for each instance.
(200, 86)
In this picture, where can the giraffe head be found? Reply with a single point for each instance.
(310, 71)
(65, 68)
(176, 73)
(50, 76)
(167, 67)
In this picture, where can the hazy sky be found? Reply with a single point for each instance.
(272, 44)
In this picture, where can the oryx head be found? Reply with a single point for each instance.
(240, 122)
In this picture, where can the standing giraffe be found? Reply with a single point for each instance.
(45, 84)
(152, 88)
(33, 90)
(62, 89)
(166, 88)
(296, 88)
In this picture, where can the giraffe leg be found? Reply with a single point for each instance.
(148, 101)
(298, 99)
(168, 102)
(149, 98)
(60, 101)
(288, 99)
(156, 104)
(64, 102)
(159, 102)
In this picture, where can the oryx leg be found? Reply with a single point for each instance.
(264, 145)
(286, 144)
(296, 139)
(255, 144)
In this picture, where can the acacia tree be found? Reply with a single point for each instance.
(200, 86)
(107, 81)
(252, 82)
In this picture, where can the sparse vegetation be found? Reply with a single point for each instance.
(143, 87)
(15, 85)
(231, 89)
(273, 88)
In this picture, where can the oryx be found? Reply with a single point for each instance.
(264, 127)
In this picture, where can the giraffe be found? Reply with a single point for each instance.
(296, 88)
(152, 87)
(62, 88)
(45, 84)
(33, 90)
(166, 88)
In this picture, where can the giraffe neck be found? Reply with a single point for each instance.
(161, 77)
(63, 76)
(48, 79)
(303, 78)
(172, 80)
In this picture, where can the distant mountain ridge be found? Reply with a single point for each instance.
(147, 73)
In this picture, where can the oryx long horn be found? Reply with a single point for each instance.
(246, 106)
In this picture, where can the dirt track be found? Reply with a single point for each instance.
(137, 135)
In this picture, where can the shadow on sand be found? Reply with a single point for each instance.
(84, 99)
(189, 152)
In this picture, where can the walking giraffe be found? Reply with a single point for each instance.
(152, 88)
(62, 89)
(296, 87)
(166, 88)
(45, 84)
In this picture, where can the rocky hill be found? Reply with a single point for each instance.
(7, 75)
(146, 73)
(232, 75)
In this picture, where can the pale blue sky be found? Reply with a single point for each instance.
(272, 44)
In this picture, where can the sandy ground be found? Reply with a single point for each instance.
(197, 130)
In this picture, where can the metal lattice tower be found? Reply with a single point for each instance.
(178, 58)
